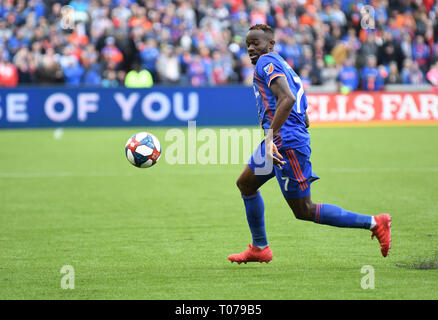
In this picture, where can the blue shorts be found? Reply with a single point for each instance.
(294, 177)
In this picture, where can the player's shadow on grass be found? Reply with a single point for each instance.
(250, 266)
(428, 263)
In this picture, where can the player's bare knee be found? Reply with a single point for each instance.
(304, 211)
(300, 214)
(309, 210)
(241, 185)
(245, 187)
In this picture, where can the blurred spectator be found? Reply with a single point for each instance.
(168, 66)
(416, 76)
(315, 73)
(185, 58)
(351, 41)
(411, 73)
(329, 72)
(406, 46)
(121, 75)
(332, 35)
(348, 76)
(25, 64)
(197, 72)
(393, 74)
(370, 75)
(111, 53)
(79, 36)
(109, 79)
(405, 72)
(17, 41)
(207, 63)
(92, 76)
(390, 51)
(240, 28)
(383, 73)
(73, 71)
(149, 54)
(246, 70)
(219, 70)
(369, 48)
(258, 15)
(307, 58)
(420, 53)
(48, 69)
(380, 12)
(305, 77)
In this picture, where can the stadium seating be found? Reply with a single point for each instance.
(344, 44)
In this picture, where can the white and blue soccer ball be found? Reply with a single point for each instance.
(143, 150)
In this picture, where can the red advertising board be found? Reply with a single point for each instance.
(378, 107)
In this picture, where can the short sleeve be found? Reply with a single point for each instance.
(269, 68)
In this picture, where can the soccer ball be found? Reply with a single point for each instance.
(143, 150)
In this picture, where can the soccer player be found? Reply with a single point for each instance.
(282, 106)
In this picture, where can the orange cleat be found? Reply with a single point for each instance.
(252, 254)
(382, 230)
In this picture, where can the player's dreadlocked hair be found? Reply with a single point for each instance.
(265, 28)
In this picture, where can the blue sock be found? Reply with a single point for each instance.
(338, 217)
(255, 214)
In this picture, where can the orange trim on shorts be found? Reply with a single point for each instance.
(294, 158)
(294, 170)
(297, 170)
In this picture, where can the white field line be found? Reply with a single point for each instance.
(182, 172)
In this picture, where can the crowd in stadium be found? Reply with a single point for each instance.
(202, 42)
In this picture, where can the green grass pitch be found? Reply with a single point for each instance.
(166, 232)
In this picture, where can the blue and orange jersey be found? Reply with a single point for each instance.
(293, 133)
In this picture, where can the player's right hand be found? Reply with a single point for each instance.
(275, 156)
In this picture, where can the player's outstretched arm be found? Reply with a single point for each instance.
(285, 102)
